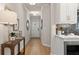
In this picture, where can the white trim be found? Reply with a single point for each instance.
(44, 44)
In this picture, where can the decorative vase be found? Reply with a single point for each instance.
(59, 32)
(12, 38)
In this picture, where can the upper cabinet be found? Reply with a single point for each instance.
(65, 13)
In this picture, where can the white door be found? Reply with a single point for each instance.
(35, 27)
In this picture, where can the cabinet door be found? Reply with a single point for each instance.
(72, 13)
(63, 12)
(60, 13)
(66, 13)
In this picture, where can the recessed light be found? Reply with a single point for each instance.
(32, 3)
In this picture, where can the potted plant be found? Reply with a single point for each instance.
(12, 35)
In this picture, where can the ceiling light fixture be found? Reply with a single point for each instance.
(35, 13)
(32, 3)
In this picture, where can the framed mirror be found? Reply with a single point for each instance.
(27, 24)
(41, 23)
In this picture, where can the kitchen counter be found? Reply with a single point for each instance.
(68, 37)
(59, 40)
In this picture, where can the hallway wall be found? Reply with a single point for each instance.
(3, 29)
(46, 31)
(22, 16)
(17, 7)
(3, 33)
(53, 26)
(47, 16)
(27, 32)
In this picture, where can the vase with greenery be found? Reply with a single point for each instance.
(12, 36)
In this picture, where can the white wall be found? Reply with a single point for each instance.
(3, 29)
(46, 31)
(3, 33)
(78, 5)
(27, 32)
(53, 26)
(12, 6)
(22, 16)
(18, 8)
(2, 6)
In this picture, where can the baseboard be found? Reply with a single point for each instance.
(27, 42)
(44, 44)
(51, 52)
(35, 38)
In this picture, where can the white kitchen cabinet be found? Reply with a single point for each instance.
(65, 13)
(58, 47)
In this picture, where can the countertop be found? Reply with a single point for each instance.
(69, 37)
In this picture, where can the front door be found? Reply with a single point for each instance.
(35, 28)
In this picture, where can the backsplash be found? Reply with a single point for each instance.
(67, 28)
(74, 29)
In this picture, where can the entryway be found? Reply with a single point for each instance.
(35, 30)
(39, 29)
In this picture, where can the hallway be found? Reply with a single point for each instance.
(35, 47)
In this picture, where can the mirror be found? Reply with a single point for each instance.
(27, 24)
(41, 23)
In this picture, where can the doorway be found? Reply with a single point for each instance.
(35, 31)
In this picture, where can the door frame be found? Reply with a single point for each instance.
(39, 30)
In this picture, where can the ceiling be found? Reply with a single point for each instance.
(36, 7)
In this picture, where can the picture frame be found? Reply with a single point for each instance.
(16, 26)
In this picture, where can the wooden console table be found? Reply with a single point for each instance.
(11, 44)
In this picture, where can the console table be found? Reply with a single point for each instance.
(11, 44)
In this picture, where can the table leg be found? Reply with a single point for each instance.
(18, 48)
(23, 45)
(2, 50)
(12, 51)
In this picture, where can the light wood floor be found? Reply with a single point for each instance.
(35, 47)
